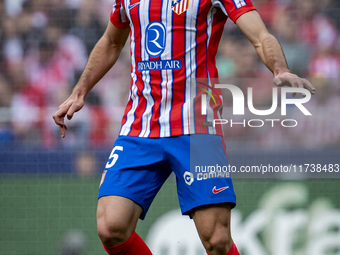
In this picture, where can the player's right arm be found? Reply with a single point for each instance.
(270, 51)
(103, 56)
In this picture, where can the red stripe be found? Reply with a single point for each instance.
(178, 90)
(115, 16)
(201, 56)
(156, 76)
(128, 106)
(219, 20)
(218, 23)
(201, 41)
(136, 125)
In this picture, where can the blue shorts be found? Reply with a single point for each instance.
(138, 167)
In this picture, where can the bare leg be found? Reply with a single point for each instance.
(213, 226)
(116, 219)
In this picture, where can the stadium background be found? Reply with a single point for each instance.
(48, 185)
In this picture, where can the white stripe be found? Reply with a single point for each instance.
(185, 3)
(114, 7)
(176, 8)
(126, 128)
(122, 13)
(164, 119)
(146, 117)
(218, 112)
(181, 6)
(191, 65)
(218, 3)
(210, 112)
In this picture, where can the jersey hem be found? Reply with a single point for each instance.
(174, 132)
(239, 12)
(122, 194)
(186, 209)
(117, 23)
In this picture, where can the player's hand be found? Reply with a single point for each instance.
(292, 80)
(69, 107)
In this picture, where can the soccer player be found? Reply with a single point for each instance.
(173, 46)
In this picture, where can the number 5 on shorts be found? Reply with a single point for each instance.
(113, 156)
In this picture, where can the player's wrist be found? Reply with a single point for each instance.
(281, 71)
(79, 93)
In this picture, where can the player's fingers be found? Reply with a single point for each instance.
(75, 107)
(278, 82)
(297, 83)
(62, 130)
(58, 117)
(308, 85)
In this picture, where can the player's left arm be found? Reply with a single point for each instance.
(270, 51)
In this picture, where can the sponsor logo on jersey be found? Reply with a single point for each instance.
(216, 191)
(179, 6)
(172, 64)
(188, 178)
(155, 38)
(133, 5)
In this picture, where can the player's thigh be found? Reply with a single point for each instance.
(201, 167)
(135, 170)
(117, 217)
(213, 221)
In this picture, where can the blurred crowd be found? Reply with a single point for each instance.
(44, 46)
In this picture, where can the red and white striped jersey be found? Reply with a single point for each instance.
(173, 45)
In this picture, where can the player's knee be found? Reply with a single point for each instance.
(112, 232)
(217, 239)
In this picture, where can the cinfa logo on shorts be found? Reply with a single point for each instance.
(188, 178)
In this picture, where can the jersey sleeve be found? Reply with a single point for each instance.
(234, 8)
(118, 15)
